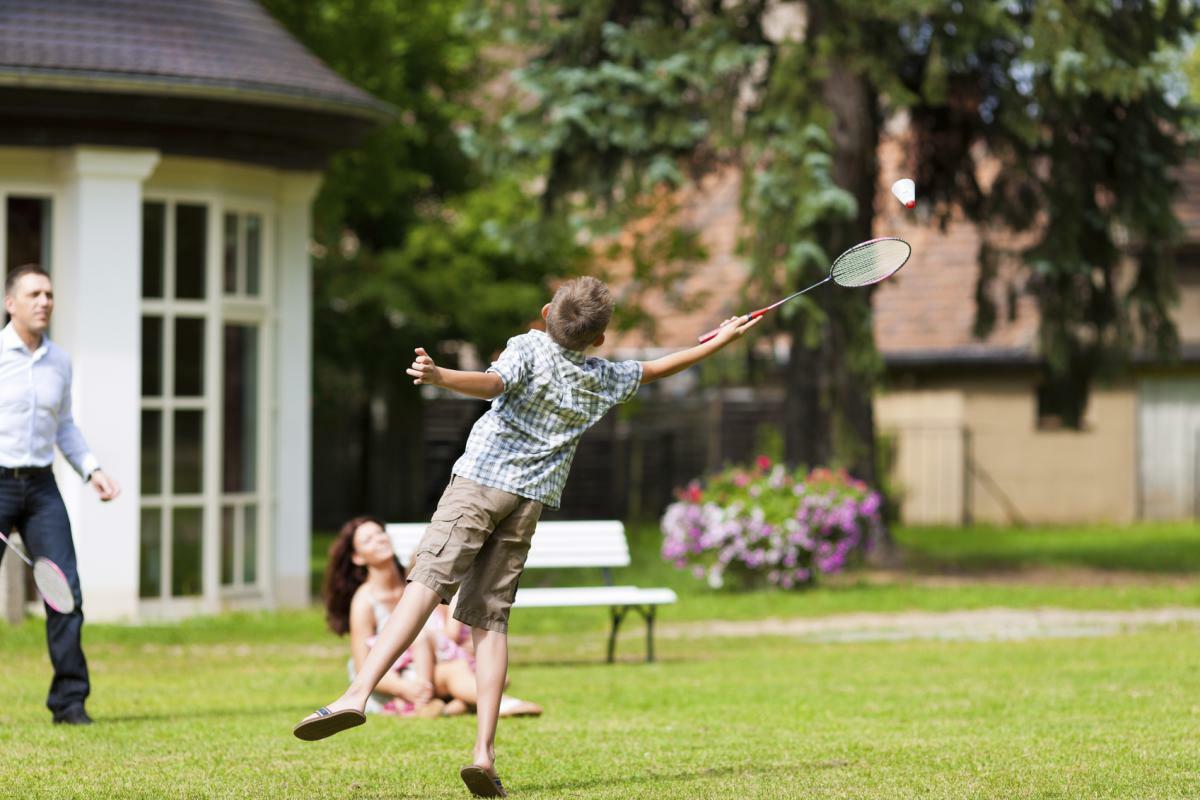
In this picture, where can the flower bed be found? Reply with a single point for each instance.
(767, 525)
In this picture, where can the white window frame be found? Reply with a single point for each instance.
(256, 311)
(217, 309)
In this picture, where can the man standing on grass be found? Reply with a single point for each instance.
(35, 415)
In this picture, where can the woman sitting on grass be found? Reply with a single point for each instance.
(436, 675)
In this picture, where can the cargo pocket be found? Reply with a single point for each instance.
(438, 532)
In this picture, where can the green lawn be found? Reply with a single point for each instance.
(1167, 548)
(205, 708)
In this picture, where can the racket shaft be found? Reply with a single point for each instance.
(778, 303)
(16, 550)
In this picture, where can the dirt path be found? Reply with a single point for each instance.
(989, 624)
(1022, 576)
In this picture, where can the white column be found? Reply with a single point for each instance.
(292, 489)
(97, 320)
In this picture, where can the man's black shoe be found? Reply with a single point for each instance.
(75, 715)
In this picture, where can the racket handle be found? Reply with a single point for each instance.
(745, 318)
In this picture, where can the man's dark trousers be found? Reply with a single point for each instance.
(30, 502)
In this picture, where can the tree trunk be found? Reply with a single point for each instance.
(830, 415)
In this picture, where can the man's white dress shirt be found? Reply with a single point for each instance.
(35, 406)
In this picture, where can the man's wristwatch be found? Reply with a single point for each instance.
(88, 478)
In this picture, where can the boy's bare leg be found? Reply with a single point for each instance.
(402, 628)
(491, 667)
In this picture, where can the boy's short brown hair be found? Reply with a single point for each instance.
(580, 312)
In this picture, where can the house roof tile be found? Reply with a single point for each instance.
(226, 48)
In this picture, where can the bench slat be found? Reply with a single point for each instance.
(592, 596)
(572, 543)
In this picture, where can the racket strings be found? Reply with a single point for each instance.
(870, 262)
(53, 586)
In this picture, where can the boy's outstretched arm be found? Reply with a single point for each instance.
(484, 385)
(731, 329)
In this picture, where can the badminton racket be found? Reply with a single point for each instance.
(861, 265)
(50, 581)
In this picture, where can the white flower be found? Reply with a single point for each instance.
(715, 579)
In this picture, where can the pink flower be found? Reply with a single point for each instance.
(763, 463)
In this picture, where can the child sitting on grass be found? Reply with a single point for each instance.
(435, 676)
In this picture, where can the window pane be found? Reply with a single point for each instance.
(240, 408)
(253, 252)
(150, 554)
(152, 360)
(230, 253)
(228, 545)
(186, 556)
(189, 452)
(250, 545)
(28, 235)
(191, 227)
(189, 357)
(28, 232)
(151, 452)
(154, 239)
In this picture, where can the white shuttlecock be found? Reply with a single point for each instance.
(906, 192)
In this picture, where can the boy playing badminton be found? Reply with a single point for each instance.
(546, 393)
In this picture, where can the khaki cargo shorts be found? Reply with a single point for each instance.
(476, 545)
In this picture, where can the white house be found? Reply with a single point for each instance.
(159, 158)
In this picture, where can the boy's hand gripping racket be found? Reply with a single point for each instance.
(51, 583)
(861, 265)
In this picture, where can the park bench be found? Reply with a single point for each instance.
(570, 544)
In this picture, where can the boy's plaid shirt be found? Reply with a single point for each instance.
(525, 442)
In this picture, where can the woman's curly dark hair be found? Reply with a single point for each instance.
(343, 576)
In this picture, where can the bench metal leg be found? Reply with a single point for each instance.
(649, 615)
(618, 614)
